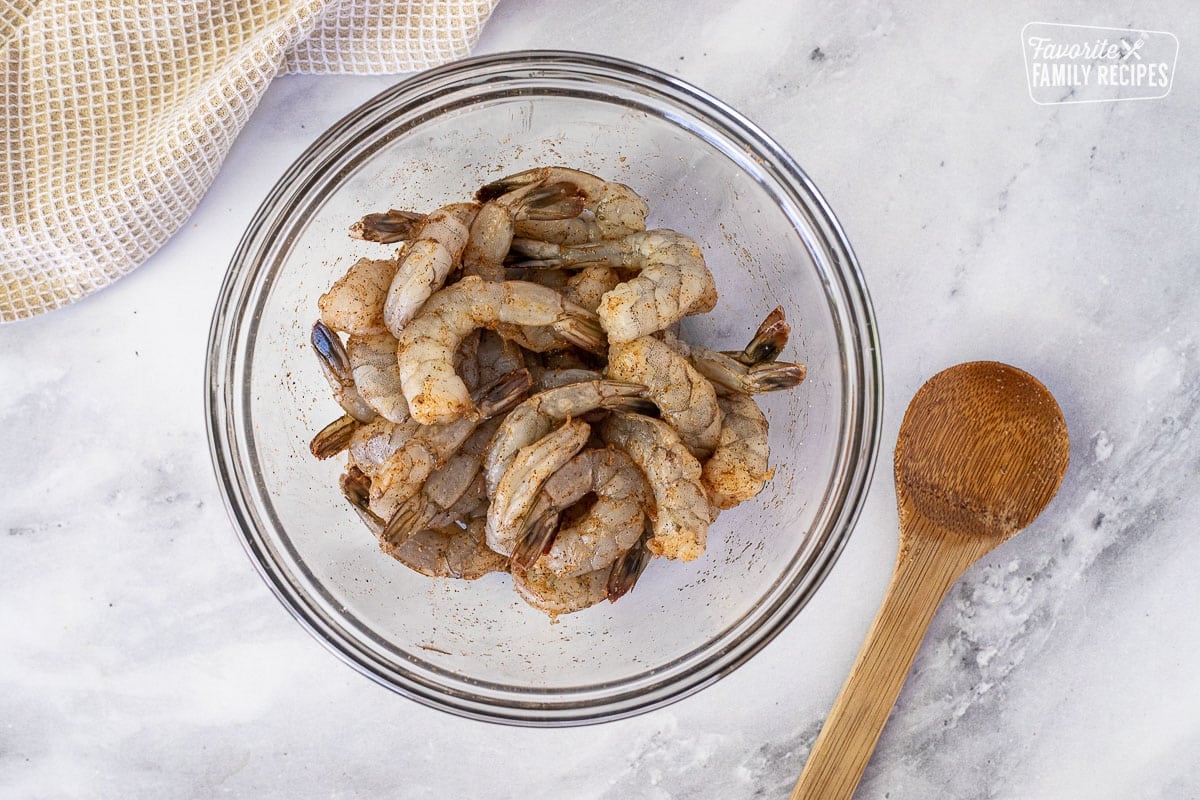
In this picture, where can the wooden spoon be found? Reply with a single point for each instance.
(982, 449)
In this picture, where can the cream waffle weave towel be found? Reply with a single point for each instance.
(118, 113)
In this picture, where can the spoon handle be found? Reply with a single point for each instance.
(929, 563)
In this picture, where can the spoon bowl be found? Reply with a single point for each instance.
(981, 451)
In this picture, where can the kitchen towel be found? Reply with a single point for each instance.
(117, 115)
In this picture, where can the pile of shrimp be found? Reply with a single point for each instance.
(517, 397)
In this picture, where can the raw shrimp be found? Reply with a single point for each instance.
(429, 446)
(428, 260)
(673, 280)
(737, 469)
(685, 398)
(354, 304)
(519, 485)
(334, 437)
(492, 230)
(376, 373)
(387, 227)
(335, 365)
(541, 413)
(616, 209)
(681, 515)
(611, 526)
(435, 393)
(556, 595)
(447, 551)
(459, 476)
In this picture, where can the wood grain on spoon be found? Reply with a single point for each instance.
(982, 450)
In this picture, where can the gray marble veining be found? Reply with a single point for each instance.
(141, 656)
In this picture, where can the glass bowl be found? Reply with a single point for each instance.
(474, 648)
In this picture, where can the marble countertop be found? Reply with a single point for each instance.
(141, 656)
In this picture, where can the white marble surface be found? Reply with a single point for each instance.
(141, 656)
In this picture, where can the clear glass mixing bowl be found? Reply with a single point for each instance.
(770, 239)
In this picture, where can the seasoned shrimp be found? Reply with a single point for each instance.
(611, 526)
(737, 469)
(376, 373)
(519, 485)
(354, 304)
(492, 230)
(681, 514)
(435, 393)
(686, 399)
(556, 595)
(459, 476)
(540, 413)
(429, 258)
(447, 551)
(335, 364)
(387, 227)
(406, 470)
(616, 209)
(673, 280)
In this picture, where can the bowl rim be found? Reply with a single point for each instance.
(221, 406)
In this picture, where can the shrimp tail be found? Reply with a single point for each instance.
(330, 351)
(536, 541)
(534, 253)
(411, 516)
(626, 570)
(628, 397)
(582, 328)
(509, 183)
(334, 437)
(557, 201)
(387, 227)
(356, 487)
(768, 342)
(773, 376)
(503, 393)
